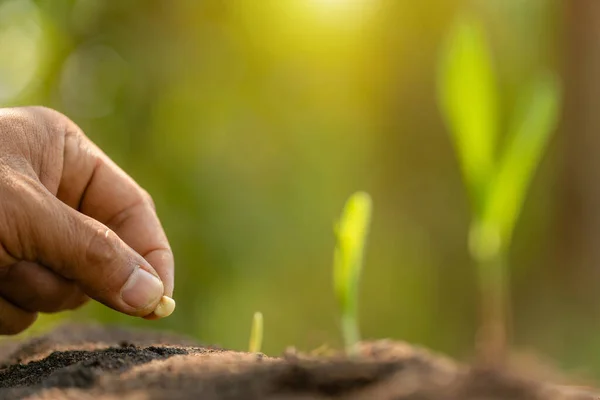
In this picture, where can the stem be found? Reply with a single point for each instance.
(495, 316)
(350, 332)
(256, 333)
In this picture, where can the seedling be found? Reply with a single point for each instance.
(351, 233)
(256, 333)
(496, 173)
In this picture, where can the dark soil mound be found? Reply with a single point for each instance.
(101, 363)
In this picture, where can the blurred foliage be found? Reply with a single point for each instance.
(497, 173)
(250, 123)
(351, 233)
(497, 177)
(469, 100)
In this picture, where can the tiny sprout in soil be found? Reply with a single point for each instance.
(256, 333)
(351, 233)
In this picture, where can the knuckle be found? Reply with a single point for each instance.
(29, 121)
(39, 110)
(35, 126)
(17, 119)
(101, 249)
(78, 146)
(148, 199)
(142, 201)
(42, 113)
(104, 255)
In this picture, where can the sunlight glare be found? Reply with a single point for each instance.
(347, 11)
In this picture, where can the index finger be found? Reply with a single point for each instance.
(94, 185)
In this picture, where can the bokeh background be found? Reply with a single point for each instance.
(251, 122)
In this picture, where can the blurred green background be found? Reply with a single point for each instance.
(251, 122)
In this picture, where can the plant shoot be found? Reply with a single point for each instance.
(256, 333)
(496, 173)
(351, 234)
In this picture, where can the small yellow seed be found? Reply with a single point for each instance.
(165, 307)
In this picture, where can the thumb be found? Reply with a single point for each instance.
(84, 250)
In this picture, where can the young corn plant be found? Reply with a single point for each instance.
(497, 169)
(256, 333)
(351, 234)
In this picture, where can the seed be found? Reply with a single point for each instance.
(165, 307)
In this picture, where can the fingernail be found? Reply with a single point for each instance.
(141, 289)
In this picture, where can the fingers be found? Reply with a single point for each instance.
(35, 288)
(85, 251)
(96, 231)
(96, 186)
(13, 319)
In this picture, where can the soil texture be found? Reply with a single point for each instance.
(91, 362)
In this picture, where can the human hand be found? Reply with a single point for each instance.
(73, 225)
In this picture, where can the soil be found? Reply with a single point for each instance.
(91, 362)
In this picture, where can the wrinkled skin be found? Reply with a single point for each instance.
(73, 225)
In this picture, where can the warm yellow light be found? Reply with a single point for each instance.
(332, 3)
(342, 10)
(340, 3)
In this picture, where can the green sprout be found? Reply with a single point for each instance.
(351, 233)
(497, 169)
(256, 333)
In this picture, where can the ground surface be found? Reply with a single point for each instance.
(76, 362)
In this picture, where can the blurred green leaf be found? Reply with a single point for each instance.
(468, 99)
(351, 232)
(533, 123)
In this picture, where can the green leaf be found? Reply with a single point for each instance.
(534, 121)
(351, 232)
(467, 96)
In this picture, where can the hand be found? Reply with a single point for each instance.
(73, 225)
